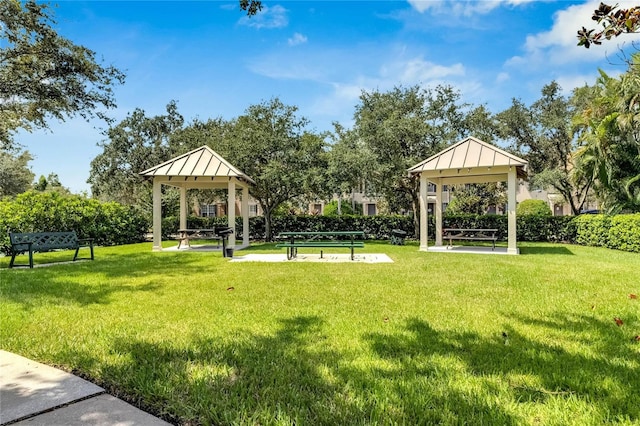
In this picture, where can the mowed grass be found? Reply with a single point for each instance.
(433, 338)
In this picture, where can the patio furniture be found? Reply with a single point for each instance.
(331, 239)
(31, 242)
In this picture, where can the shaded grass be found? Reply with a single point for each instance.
(199, 340)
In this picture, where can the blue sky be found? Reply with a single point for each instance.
(317, 55)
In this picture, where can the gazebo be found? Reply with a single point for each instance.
(201, 168)
(468, 161)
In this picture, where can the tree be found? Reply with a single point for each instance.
(610, 138)
(44, 75)
(543, 134)
(50, 183)
(407, 125)
(251, 6)
(615, 21)
(133, 145)
(269, 144)
(15, 175)
(476, 198)
(349, 163)
(533, 207)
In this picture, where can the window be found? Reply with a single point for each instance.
(371, 209)
(208, 210)
(253, 210)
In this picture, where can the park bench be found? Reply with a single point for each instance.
(31, 242)
(318, 239)
(470, 234)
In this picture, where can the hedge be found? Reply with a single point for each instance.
(113, 223)
(621, 232)
(107, 223)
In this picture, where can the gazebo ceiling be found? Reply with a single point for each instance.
(470, 157)
(200, 163)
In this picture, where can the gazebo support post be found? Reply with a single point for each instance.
(424, 241)
(245, 216)
(438, 211)
(511, 206)
(183, 207)
(231, 212)
(157, 215)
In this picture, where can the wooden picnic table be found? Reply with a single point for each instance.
(470, 234)
(197, 234)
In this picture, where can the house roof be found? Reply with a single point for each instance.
(201, 162)
(470, 153)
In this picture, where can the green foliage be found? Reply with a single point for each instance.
(45, 75)
(543, 134)
(331, 208)
(533, 207)
(476, 198)
(621, 232)
(614, 20)
(15, 175)
(108, 223)
(610, 153)
(269, 143)
(135, 144)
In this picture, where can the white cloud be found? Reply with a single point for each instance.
(297, 39)
(558, 46)
(269, 18)
(462, 8)
(503, 76)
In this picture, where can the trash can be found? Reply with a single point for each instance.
(228, 252)
(397, 237)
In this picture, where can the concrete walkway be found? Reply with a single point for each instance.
(36, 394)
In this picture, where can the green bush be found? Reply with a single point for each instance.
(533, 207)
(107, 223)
(624, 233)
(331, 208)
(593, 230)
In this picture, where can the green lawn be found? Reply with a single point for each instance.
(199, 340)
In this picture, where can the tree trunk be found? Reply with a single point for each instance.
(267, 225)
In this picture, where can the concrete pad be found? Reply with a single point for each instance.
(101, 410)
(28, 387)
(327, 258)
(469, 250)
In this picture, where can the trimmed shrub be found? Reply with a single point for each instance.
(624, 233)
(107, 223)
(533, 207)
(331, 208)
(593, 229)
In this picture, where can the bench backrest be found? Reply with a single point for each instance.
(43, 241)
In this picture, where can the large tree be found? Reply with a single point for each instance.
(269, 143)
(543, 134)
(15, 175)
(407, 125)
(43, 74)
(133, 145)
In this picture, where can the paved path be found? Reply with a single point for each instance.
(36, 394)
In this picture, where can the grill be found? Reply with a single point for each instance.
(223, 232)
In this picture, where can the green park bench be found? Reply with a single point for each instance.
(31, 242)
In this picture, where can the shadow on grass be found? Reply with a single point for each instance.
(607, 382)
(93, 282)
(292, 376)
(550, 249)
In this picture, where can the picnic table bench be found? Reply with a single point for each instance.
(185, 235)
(31, 242)
(470, 234)
(319, 239)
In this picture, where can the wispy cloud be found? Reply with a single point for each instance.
(269, 18)
(297, 39)
(462, 8)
